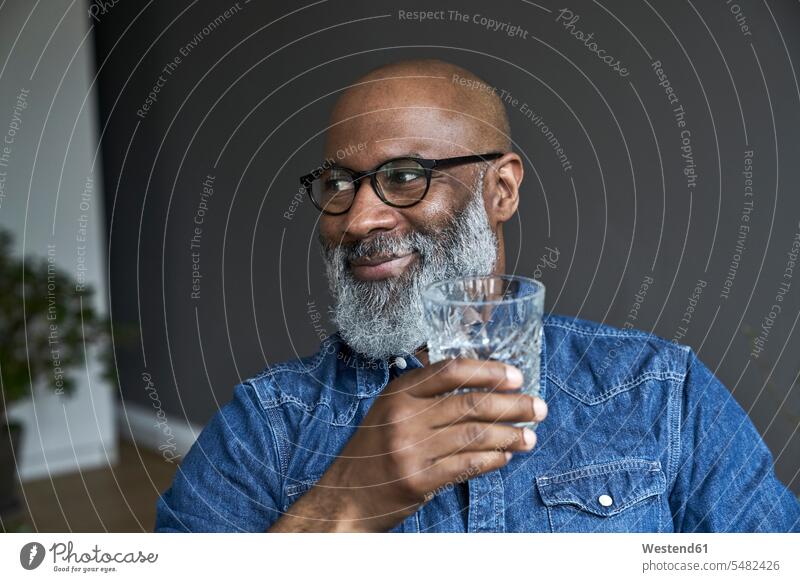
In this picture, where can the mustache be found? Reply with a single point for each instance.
(377, 245)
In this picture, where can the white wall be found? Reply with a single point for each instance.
(52, 59)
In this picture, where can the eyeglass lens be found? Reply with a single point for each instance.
(401, 183)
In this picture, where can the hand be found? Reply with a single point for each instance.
(416, 439)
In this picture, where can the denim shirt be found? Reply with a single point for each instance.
(640, 437)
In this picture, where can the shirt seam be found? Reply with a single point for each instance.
(675, 420)
(292, 365)
(597, 469)
(278, 444)
(617, 389)
(610, 332)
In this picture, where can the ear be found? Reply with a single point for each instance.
(504, 178)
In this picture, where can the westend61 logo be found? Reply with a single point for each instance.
(65, 559)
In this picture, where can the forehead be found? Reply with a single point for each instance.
(366, 136)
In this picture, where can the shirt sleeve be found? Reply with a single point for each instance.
(229, 481)
(725, 479)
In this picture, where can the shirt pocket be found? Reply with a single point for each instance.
(624, 495)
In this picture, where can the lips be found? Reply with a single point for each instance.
(381, 266)
(376, 260)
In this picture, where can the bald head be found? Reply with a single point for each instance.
(427, 106)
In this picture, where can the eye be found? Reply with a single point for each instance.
(404, 177)
(336, 181)
(336, 185)
(401, 173)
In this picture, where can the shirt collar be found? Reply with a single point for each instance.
(371, 375)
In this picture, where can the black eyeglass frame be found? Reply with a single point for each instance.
(427, 164)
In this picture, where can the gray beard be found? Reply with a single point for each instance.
(385, 318)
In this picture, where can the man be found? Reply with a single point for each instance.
(636, 433)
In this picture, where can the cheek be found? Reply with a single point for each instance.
(434, 212)
(331, 228)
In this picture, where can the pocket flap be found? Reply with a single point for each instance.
(604, 489)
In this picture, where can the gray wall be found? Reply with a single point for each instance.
(634, 201)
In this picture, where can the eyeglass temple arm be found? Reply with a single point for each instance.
(463, 159)
(431, 164)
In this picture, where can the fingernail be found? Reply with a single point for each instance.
(513, 375)
(528, 437)
(539, 408)
(508, 456)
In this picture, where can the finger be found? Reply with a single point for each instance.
(481, 436)
(488, 407)
(464, 466)
(448, 375)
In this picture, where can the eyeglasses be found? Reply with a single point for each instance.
(399, 182)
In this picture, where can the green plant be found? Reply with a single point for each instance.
(46, 322)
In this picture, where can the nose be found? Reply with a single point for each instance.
(369, 214)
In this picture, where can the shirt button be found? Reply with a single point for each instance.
(400, 363)
(605, 500)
